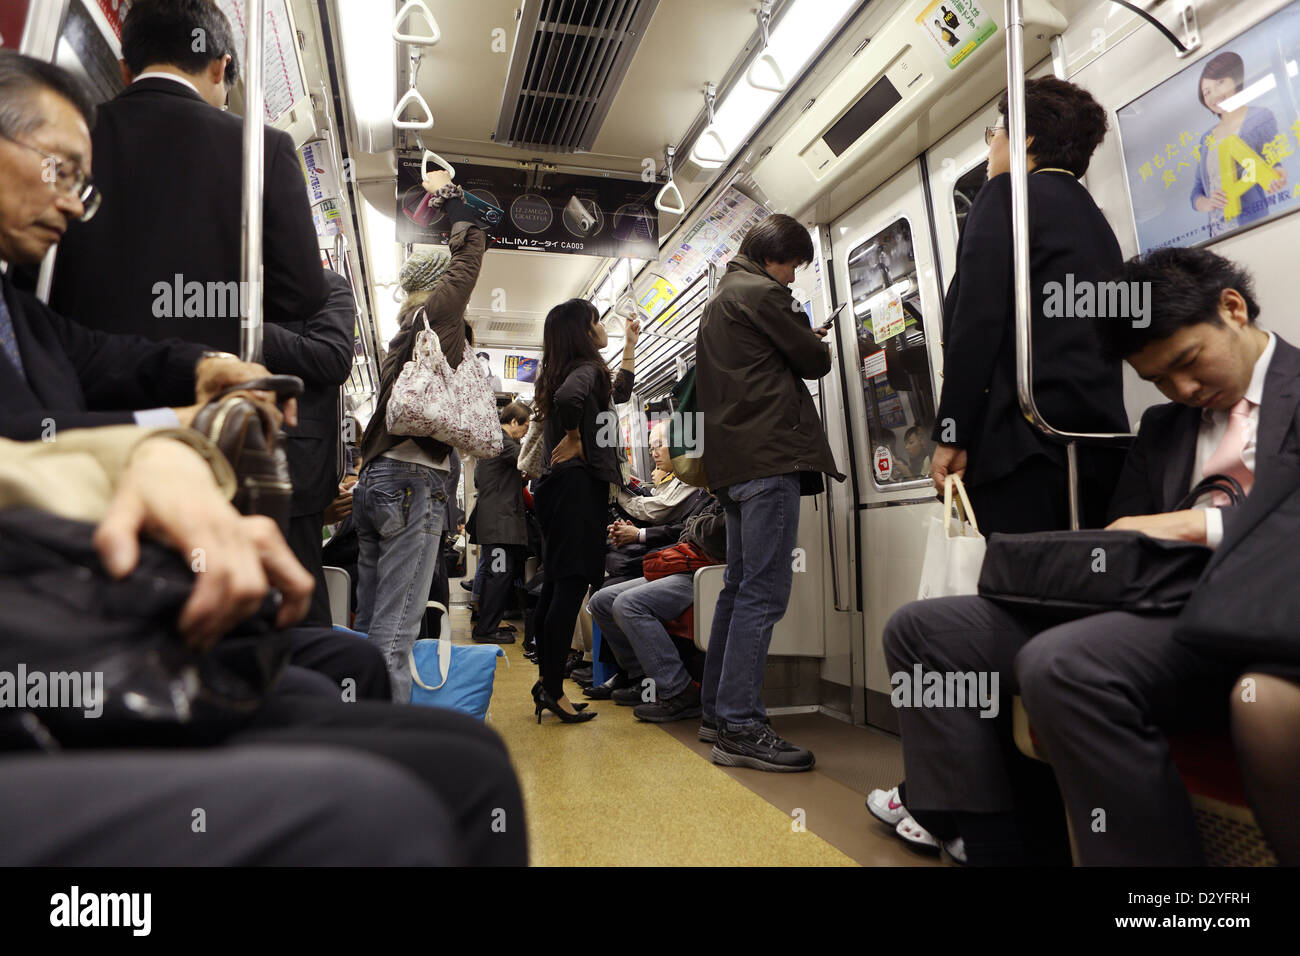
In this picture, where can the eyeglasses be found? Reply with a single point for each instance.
(990, 132)
(66, 176)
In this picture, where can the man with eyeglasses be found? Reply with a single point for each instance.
(55, 374)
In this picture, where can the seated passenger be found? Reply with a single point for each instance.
(671, 496)
(1268, 753)
(176, 485)
(500, 527)
(632, 615)
(1102, 692)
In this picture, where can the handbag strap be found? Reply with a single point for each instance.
(444, 650)
(964, 510)
(1225, 483)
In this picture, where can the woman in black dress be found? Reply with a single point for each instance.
(581, 450)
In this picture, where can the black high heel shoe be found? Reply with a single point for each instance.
(546, 702)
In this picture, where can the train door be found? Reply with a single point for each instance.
(957, 165)
(885, 267)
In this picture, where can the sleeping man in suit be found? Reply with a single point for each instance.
(1103, 691)
(57, 375)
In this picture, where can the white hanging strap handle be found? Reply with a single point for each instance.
(660, 202)
(710, 133)
(431, 155)
(764, 23)
(965, 513)
(416, 6)
(413, 96)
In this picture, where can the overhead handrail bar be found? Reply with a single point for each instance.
(710, 132)
(765, 24)
(250, 217)
(413, 95)
(416, 6)
(1016, 134)
(660, 203)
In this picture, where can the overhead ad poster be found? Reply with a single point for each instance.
(546, 211)
(1211, 151)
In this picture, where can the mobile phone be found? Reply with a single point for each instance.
(831, 321)
(488, 212)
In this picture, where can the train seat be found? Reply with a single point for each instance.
(1208, 766)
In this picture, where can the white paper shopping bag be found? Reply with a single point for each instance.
(954, 550)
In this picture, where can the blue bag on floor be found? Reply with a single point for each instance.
(456, 676)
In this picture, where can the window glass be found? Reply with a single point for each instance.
(964, 190)
(895, 371)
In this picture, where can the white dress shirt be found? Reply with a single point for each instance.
(167, 76)
(1214, 425)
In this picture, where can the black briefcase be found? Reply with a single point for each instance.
(1077, 573)
(1247, 606)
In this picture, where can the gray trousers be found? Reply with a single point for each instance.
(243, 806)
(1101, 692)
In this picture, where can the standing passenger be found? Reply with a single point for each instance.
(573, 494)
(400, 500)
(501, 528)
(763, 448)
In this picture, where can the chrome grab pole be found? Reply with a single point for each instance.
(250, 328)
(1016, 136)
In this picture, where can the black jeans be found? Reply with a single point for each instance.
(557, 613)
(505, 565)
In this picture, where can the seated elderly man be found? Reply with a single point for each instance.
(388, 785)
(631, 616)
(672, 496)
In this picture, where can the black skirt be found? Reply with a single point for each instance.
(572, 506)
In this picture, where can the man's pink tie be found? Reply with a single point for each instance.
(1226, 458)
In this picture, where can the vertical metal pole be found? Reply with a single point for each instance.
(250, 330)
(1072, 464)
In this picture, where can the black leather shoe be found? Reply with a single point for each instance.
(499, 636)
(681, 706)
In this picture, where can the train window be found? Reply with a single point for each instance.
(964, 190)
(895, 361)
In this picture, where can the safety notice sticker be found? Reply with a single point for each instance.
(957, 28)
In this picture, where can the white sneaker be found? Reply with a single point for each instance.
(915, 834)
(884, 806)
(955, 851)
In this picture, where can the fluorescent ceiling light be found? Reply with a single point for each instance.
(792, 44)
(1252, 92)
(369, 64)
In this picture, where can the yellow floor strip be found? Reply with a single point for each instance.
(618, 792)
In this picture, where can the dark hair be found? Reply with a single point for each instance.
(21, 79)
(483, 355)
(566, 345)
(1184, 288)
(166, 31)
(1225, 66)
(778, 238)
(914, 430)
(515, 412)
(1067, 124)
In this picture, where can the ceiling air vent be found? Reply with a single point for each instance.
(569, 60)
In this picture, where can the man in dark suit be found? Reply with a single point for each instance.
(162, 257)
(499, 526)
(319, 351)
(1103, 691)
(1015, 475)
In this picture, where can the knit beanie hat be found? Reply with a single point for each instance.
(422, 270)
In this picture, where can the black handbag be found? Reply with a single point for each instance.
(1247, 606)
(105, 654)
(1077, 573)
(246, 434)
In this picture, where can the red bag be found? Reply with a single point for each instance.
(681, 558)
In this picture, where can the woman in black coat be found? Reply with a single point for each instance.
(581, 452)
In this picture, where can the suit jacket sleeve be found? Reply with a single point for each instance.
(808, 355)
(980, 314)
(321, 354)
(294, 280)
(125, 372)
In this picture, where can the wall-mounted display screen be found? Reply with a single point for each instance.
(862, 115)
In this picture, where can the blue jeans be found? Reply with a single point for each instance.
(631, 616)
(401, 510)
(762, 526)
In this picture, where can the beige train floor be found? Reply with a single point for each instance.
(618, 792)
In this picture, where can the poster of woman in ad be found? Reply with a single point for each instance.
(1212, 150)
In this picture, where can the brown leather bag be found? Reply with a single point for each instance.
(246, 434)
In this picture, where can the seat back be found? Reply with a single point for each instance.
(339, 586)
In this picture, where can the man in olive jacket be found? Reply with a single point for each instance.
(500, 527)
(763, 447)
